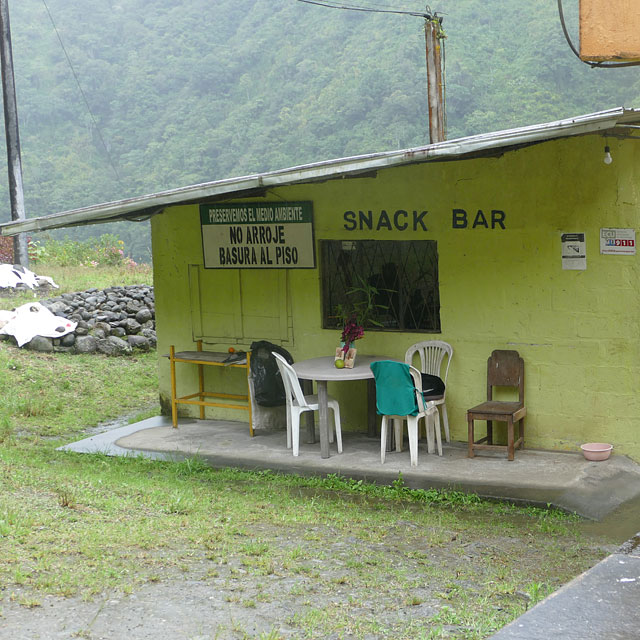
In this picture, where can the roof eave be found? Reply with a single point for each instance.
(142, 207)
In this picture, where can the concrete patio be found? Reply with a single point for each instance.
(562, 479)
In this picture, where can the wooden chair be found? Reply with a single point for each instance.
(504, 369)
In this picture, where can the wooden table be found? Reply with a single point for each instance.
(201, 359)
(323, 370)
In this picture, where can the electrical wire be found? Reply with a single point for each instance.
(593, 65)
(428, 16)
(84, 97)
(366, 4)
(419, 14)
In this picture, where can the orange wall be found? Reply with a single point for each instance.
(610, 29)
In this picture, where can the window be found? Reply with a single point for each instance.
(403, 273)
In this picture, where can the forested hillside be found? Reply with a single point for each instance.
(188, 91)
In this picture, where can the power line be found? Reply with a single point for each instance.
(419, 14)
(84, 97)
(434, 40)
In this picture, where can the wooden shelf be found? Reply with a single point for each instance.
(204, 398)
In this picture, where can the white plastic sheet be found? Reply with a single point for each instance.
(13, 275)
(33, 319)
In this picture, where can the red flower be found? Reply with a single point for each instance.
(352, 331)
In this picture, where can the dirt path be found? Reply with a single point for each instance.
(317, 585)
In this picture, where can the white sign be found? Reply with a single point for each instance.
(618, 241)
(574, 251)
(258, 235)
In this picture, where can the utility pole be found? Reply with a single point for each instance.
(14, 163)
(433, 34)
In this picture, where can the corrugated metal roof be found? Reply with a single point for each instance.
(485, 144)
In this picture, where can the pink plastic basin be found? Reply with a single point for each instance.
(596, 450)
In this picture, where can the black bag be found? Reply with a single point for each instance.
(268, 387)
(432, 385)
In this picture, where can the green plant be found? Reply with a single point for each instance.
(106, 250)
(361, 306)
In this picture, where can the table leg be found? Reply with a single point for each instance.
(307, 416)
(371, 408)
(323, 410)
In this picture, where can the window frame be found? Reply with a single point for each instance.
(345, 264)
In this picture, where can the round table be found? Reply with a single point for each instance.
(322, 370)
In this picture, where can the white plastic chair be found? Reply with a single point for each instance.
(298, 403)
(432, 354)
(426, 410)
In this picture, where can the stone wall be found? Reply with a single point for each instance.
(113, 321)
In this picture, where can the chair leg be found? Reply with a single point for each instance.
(288, 426)
(489, 432)
(383, 439)
(338, 428)
(445, 419)
(295, 431)
(436, 420)
(428, 423)
(397, 428)
(522, 432)
(412, 427)
(471, 435)
(510, 440)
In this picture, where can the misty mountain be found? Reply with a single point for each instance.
(118, 99)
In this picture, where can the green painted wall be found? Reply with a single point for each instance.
(499, 288)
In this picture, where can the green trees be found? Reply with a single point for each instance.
(193, 91)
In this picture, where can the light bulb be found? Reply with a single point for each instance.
(607, 155)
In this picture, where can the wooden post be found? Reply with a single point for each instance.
(432, 35)
(20, 252)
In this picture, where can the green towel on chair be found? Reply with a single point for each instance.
(395, 390)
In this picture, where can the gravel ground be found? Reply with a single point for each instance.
(343, 587)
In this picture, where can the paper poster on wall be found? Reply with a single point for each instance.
(574, 251)
(258, 235)
(618, 241)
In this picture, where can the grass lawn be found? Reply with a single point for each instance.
(349, 560)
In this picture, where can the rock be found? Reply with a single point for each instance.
(132, 307)
(57, 308)
(105, 327)
(131, 326)
(113, 346)
(39, 343)
(144, 315)
(68, 341)
(150, 335)
(85, 344)
(139, 342)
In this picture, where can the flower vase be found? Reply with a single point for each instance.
(347, 354)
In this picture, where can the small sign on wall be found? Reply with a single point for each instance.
(258, 235)
(618, 241)
(574, 251)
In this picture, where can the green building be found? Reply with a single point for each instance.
(521, 239)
